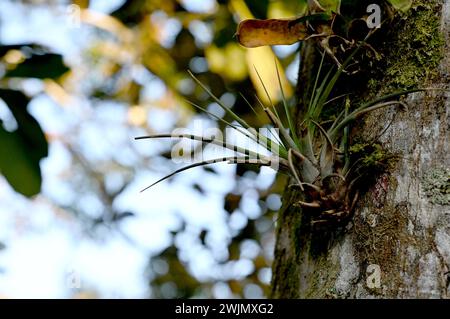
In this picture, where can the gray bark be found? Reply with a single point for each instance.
(398, 242)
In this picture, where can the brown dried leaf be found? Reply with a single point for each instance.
(253, 33)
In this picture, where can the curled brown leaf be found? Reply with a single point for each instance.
(253, 33)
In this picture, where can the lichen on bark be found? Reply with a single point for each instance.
(436, 185)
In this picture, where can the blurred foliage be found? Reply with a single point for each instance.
(158, 40)
(22, 148)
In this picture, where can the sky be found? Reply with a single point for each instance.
(48, 254)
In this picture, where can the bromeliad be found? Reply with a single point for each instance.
(315, 156)
(315, 153)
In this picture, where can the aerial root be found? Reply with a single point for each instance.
(308, 205)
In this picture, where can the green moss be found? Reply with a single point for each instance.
(436, 185)
(419, 45)
(372, 157)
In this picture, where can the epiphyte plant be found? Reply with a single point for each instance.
(314, 152)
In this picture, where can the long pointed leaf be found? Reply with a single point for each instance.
(358, 113)
(260, 139)
(240, 129)
(219, 102)
(287, 139)
(203, 163)
(231, 160)
(274, 123)
(250, 105)
(286, 110)
(202, 139)
(267, 92)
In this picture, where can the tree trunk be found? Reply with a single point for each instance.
(397, 244)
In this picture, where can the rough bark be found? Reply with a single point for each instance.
(401, 226)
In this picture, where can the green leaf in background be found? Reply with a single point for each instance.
(20, 170)
(40, 66)
(29, 128)
(402, 5)
(22, 150)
